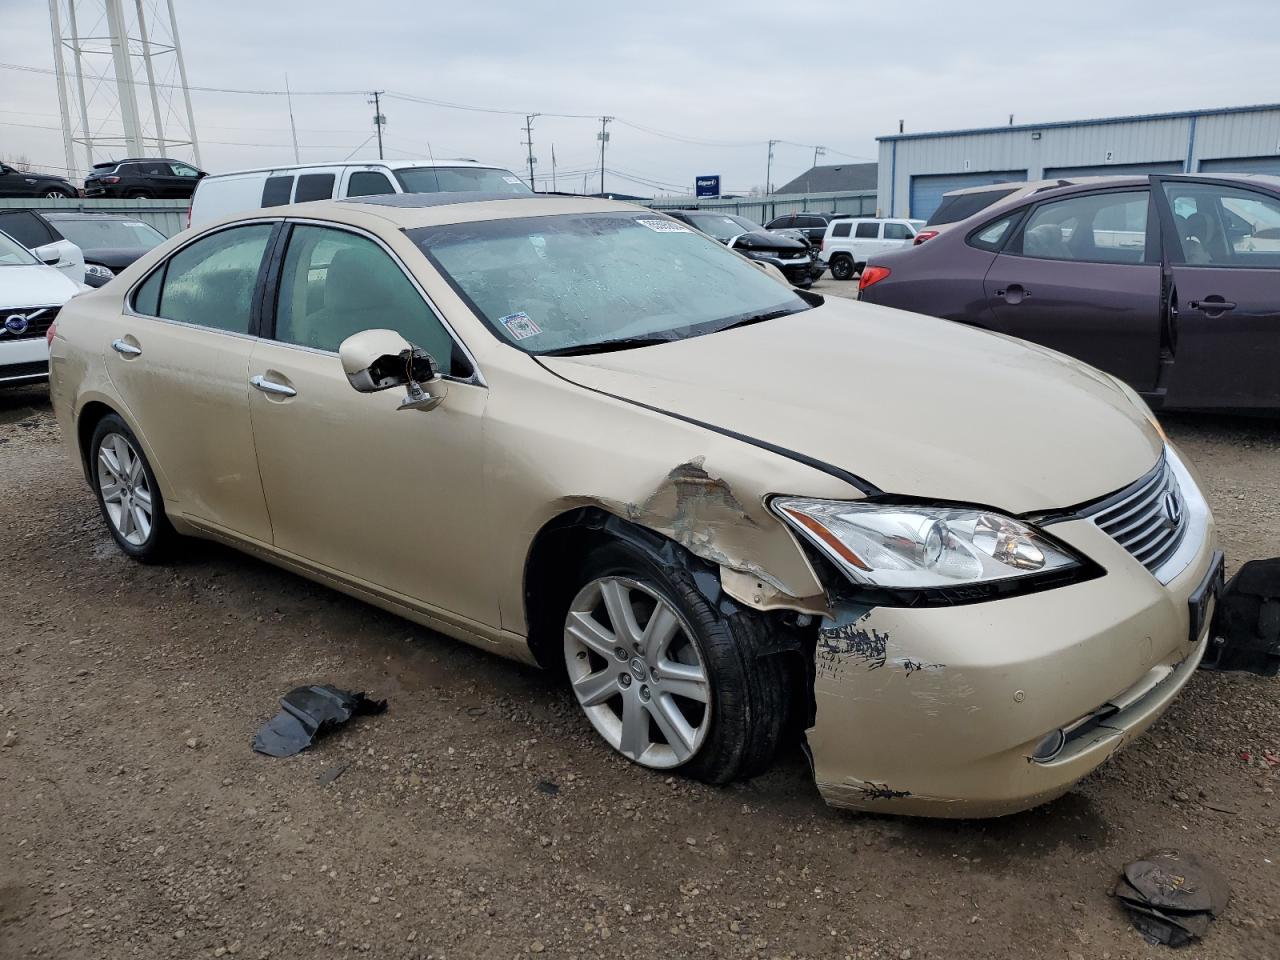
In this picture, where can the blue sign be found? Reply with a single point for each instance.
(707, 186)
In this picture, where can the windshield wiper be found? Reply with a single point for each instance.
(757, 318)
(604, 346)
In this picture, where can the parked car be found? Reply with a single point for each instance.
(958, 205)
(228, 193)
(109, 241)
(34, 232)
(31, 294)
(796, 259)
(807, 225)
(143, 178)
(848, 243)
(1171, 283)
(577, 433)
(23, 183)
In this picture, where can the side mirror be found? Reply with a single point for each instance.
(375, 360)
(47, 254)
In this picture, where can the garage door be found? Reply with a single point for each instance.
(1242, 165)
(1113, 169)
(926, 192)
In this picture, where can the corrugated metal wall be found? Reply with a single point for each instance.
(1178, 142)
(167, 216)
(764, 209)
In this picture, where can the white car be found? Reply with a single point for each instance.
(31, 294)
(848, 243)
(223, 194)
(33, 231)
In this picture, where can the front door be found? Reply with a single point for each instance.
(1223, 245)
(198, 305)
(390, 498)
(1082, 276)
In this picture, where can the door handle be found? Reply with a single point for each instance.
(1014, 293)
(125, 348)
(1213, 304)
(270, 386)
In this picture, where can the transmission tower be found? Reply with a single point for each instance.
(122, 82)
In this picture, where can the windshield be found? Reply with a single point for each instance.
(459, 180)
(14, 254)
(565, 282)
(722, 226)
(96, 234)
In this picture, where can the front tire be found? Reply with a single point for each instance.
(138, 195)
(666, 679)
(56, 194)
(841, 268)
(128, 495)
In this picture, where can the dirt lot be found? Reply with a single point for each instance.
(479, 817)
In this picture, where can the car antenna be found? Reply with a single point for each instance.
(435, 174)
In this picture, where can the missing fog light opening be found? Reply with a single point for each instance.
(1048, 748)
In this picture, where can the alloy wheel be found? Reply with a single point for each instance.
(126, 494)
(637, 672)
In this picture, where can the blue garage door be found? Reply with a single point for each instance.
(1242, 165)
(926, 192)
(1113, 169)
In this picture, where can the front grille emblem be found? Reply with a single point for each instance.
(16, 323)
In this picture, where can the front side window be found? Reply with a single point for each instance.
(211, 282)
(314, 186)
(459, 180)
(336, 283)
(842, 229)
(897, 231)
(1096, 227)
(368, 183)
(580, 282)
(868, 231)
(1225, 226)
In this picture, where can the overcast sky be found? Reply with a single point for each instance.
(732, 75)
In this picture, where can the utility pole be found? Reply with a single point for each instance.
(817, 152)
(528, 142)
(768, 170)
(554, 187)
(603, 137)
(292, 126)
(379, 121)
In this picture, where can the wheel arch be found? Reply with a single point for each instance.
(90, 414)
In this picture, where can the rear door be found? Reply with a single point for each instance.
(1223, 250)
(1082, 275)
(897, 236)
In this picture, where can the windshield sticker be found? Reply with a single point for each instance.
(519, 326)
(513, 180)
(663, 226)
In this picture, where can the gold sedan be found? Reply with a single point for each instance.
(577, 433)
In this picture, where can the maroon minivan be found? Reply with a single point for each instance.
(1172, 283)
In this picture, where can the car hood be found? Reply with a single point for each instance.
(34, 285)
(913, 405)
(117, 258)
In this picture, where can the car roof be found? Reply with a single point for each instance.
(112, 163)
(389, 164)
(78, 215)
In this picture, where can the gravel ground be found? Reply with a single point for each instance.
(480, 817)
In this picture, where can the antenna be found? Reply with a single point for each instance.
(103, 51)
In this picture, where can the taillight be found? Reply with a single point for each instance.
(872, 275)
(48, 334)
(109, 180)
(922, 236)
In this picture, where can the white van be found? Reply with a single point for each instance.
(848, 243)
(222, 194)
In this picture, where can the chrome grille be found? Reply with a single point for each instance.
(1148, 518)
(37, 321)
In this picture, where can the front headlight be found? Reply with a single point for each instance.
(906, 546)
(761, 254)
(98, 270)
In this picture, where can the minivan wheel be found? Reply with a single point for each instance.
(127, 492)
(842, 268)
(667, 680)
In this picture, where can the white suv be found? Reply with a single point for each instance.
(848, 243)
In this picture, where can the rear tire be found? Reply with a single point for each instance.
(57, 194)
(842, 267)
(128, 495)
(138, 195)
(697, 696)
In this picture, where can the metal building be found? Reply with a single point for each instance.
(916, 169)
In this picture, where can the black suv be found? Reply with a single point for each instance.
(19, 183)
(143, 179)
(812, 226)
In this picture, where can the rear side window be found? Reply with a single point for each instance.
(276, 191)
(991, 237)
(868, 231)
(897, 231)
(368, 183)
(314, 186)
(841, 229)
(211, 282)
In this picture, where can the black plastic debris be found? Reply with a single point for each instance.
(308, 712)
(1172, 896)
(1245, 634)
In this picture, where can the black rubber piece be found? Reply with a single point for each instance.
(159, 545)
(750, 683)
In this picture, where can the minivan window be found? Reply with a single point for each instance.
(211, 282)
(368, 183)
(277, 191)
(965, 205)
(459, 180)
(314, 186)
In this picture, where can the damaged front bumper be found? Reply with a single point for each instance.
(942, 711)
